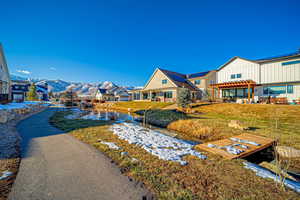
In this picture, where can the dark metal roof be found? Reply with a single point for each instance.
(102, 91)
(179, 79)
(278, 57)
(196, 75)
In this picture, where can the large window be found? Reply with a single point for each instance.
(136, 96)
(278, 89)
(165, 81)
(197, 82)
(168, 94)
(232, 76)
(236, 93)
(238, 75)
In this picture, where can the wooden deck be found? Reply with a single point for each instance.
(263, 141)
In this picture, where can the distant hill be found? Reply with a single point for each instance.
(58, 86)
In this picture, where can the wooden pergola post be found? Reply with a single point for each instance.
(252, 93)
(213, 93)
(248, 93)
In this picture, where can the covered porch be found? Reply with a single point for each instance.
(234, 90)
(161, 95)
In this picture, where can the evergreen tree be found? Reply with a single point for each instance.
(32, 94)
(184, 98)
(51, 95)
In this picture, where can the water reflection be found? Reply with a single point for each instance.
(110, 115)
(120, 117)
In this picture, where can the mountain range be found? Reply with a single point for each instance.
(58, 86)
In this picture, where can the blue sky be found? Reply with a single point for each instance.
(124, 41)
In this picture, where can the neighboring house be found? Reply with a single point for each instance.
(113, 94)
(19, 90)
(164, 85)
(5, 92)
(120, 94)
(103, 95)
(42, 92)
(251, 79)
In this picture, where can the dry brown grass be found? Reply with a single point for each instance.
(133, 106)
(209, 179)
(196, 128)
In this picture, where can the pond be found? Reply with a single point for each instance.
(122, 117)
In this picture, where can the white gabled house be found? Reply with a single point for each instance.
(251, 79)
(5, 82)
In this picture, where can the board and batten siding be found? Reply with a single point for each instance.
(275, 72)
(156, 81)
(249, 71)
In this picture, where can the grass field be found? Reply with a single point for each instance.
(210, 179)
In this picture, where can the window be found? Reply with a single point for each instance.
(232, 76)
(278, 89)
(211, 81)
(168, 94)
(197, 82)
(165, 81)
(290, 89)
(291, 62)
(239, 76)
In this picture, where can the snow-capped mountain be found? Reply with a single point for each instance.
(58, 86)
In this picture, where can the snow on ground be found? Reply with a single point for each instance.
(24, 104)
(156, 143)
(265, 173)
(111, 145)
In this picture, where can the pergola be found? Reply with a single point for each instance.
(234, 84)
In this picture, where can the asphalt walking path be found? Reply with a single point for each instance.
(56, 166)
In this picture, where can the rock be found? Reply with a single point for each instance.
(288, 152)
(237, 124)
(124, 153)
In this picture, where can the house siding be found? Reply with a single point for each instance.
(275, 72)
(249, 71)
(5, 90)
(156, 81)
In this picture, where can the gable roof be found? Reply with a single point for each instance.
(281, 57)
(102, 91)
(180, 80)
(232, 59)
(197, 75)
(5, 75)
(265, 60)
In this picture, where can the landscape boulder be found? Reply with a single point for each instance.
(238, 125)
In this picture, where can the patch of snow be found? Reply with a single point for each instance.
(156, 143)
(111, 145)
(264, 173)
(24, 104)
(5, 175)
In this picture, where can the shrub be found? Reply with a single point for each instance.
(195, 128)
(184, 98)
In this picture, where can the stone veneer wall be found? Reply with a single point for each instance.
(7, 115)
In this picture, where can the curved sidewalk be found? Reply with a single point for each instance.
(57, 166)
